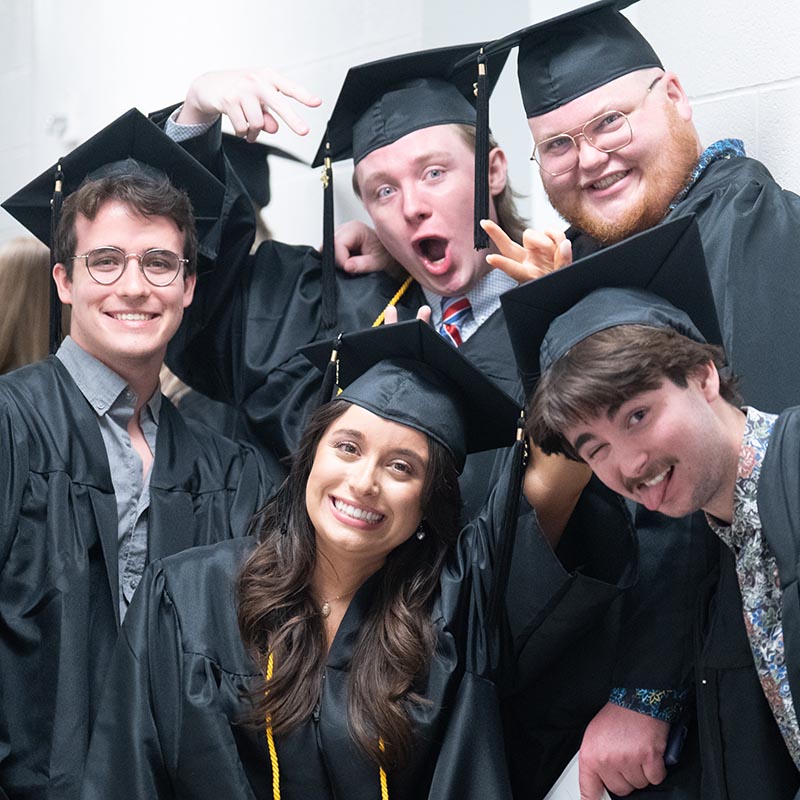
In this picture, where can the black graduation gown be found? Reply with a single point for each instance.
(167, 727)
(750, 229)
(58, 556)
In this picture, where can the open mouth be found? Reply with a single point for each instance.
(432, 249)
(651, 492)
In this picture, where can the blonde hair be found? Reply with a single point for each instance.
(25, 292)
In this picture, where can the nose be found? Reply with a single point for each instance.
(589, 157)
(132, 282)
(631, 466)
(416, 206)
(363, 478)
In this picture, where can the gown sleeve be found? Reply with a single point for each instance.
(144, 680)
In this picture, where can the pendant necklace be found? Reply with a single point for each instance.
(325, 608)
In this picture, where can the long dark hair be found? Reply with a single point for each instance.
(278, 614)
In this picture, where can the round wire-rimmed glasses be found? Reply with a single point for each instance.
(106, 265)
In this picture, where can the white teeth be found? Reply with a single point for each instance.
(133, 317)
(658, 478)
(357, 513)
(604, 183)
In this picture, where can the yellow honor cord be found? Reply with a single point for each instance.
(394, 301)
(273, 753)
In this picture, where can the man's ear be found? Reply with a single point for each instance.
(707, 376)
(677, 95)
(63, 283)
(498, 171)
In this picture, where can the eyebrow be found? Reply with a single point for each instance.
(383, 175)
(400, 451)
(581, 441)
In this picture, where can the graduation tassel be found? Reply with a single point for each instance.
(328, 257)
(502, 567)
(330, 378)
(55, 302)
(481, 90)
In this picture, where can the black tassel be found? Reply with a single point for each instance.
(481, 154)
(55, 303)
(506, 535)
(328, 257)
(331, 375)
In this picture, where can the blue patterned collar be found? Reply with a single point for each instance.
(724, 148)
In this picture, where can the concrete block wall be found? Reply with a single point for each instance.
(67, 67)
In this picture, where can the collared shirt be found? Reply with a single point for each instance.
(759, 582)
(114, 402)
(484, 298)
(723, 149)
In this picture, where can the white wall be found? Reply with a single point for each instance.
(67, 67)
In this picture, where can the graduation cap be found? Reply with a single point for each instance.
(132, 143)
(250, 161)
(567, 56)
(382, 101)
(409, 374)
(655, 278)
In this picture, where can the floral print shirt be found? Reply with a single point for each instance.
(759, 583)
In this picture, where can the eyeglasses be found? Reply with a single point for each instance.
(106, 265)
(607, 132)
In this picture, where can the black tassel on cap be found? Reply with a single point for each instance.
(481, 153)
(497, 595)
(330, 377)
(55, 302)
(328, 256)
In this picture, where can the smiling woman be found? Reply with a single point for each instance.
(352, 648)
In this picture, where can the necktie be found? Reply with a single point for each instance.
(456, 311)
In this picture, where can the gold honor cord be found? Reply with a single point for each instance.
(273, 753)
(394, 301)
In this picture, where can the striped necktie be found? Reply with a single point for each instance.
(456, 311)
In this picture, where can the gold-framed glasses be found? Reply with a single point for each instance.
(607, 132)
(106, 264)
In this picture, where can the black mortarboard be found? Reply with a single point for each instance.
(130, 143)
(569, 55)
(250, 161)
(657, 278)
(409, 374)
(382, 101)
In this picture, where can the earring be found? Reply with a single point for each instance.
(420, 532)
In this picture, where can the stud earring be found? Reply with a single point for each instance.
(420, 532)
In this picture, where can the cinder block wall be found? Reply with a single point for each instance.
(69, 66)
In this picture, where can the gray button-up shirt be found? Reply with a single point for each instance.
(113, 402)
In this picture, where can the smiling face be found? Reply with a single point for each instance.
(419, 193)
(674, 450)
(613, 195)
(128, 324)
(364, 492)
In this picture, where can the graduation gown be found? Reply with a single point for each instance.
(750, 229)
(167, 727)
(58, 556)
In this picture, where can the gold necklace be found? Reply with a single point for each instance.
(325, 608)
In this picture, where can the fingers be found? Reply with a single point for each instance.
(591, 787)
(424, 313)
(507, 246)
(514, 269)
(563, 255)
(390, 315)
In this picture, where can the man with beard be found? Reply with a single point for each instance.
(618, 153)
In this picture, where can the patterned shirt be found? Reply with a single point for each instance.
(723, 149)
(759, 583)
